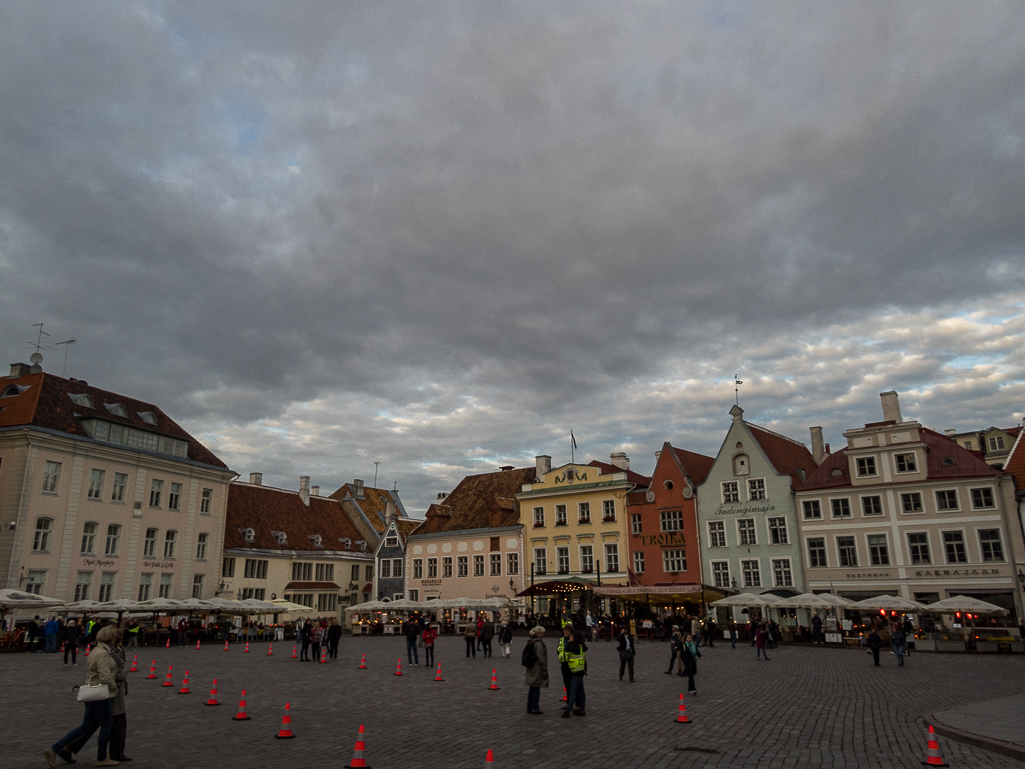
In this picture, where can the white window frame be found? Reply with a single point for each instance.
(608, 510)
(586, 554)
(149, 544)
(611, 552)
(716, 531)
(716, 573)
(446, 568)
(824, 549)
(418, 569)
(638, 561)
(462, 566)
(984, 489)
(493, 570)
(540, 560)
(174, 497)
(789, 570)
(832, 508)
(928, 548)
(869, 472)
(562, 559)
(432, 568)
(89, 538)
(106, 591)
(205, 501)
(910, 495)
(51, 477)
(670, 520)
(857, 556)
(117, 489)
(1000, 541)
(156, 490)
(868, 548)
(478, 565)
(561, 515)
(674, 557)
(512, 564)
(964, 543)
(752, 530)
(882, 510)
(636, 524)
(729, 491)
(539, 516)
(816, 504)
(758, 572)
(96, 478)
(753, 490)
(170, 541)
(957, 500)
(785, 530)
(897, 460)
(583, 512)
(113, 540)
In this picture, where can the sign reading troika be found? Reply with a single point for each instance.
(669, 538)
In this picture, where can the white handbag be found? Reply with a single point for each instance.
(89, 693)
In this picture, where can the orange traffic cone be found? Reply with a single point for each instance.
(241, 715)
(363, 662)
(197, 644)
(213, 695)
(357, 754)
(246, 651)
(323, 656)
(398, 669)
(270, 650)
(494, 681)
(438, 677)
(152, 670)
(167, 681)
(286, 725)
(294, 655)
(185, 685)
(682, 717)
(87, 650)
(225, 644)
(564, 697)
(168, 644)
(489, 758)
(62, 648)
(135, 665)
(933, 757)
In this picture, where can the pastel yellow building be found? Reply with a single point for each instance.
(574, 519)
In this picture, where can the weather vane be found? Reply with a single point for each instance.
(736, 387)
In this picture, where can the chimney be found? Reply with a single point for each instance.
(620, 460)
(442, 496)
(357, 487)
(314, 491)
(658, 454)
(950, 431)
(818, 449)
(828, 452)
(19, 369)
(304, 489)
(506, 468)
(390, 512)
(543, 463)
(256, 479)
(891, 407)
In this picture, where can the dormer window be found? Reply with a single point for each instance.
(280, 536)
(249, 534)
(83, 400)
(117, 409)
(392, 540)
(316, 539)
(741, 465)
(148, 417)
(362, 544)
(346, 542)
(12, 390)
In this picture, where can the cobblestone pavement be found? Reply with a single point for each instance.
(806, 707)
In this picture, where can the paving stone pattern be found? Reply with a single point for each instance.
(806, 707)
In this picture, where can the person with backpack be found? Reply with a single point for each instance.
(689, 656)
(535, 660)
(505, 639)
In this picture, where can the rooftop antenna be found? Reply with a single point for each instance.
(375, 472)
(736, 387)
(38, 344)
(66, 348)
(572, 448)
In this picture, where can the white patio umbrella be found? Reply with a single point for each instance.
(370, 606)
(290, 607)
(155, 605)
(19, 599)
(818, 601)
(404, 604)
(750, 599)
(85, 606)
(964, 603)
(888, 603)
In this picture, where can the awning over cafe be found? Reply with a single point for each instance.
(662, 593)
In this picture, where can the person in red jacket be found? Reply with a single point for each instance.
(429, 635)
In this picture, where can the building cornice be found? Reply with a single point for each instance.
(494, 532)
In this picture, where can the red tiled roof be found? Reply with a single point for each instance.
(1015, 464)
(312, 586)
(46, 403)
(785, 454)
(265, 509)
(407, 526)
(697, 465)
(966, 464)
(471, 503)
(373, 500)
(608, 469)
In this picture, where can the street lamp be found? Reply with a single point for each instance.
(1021, 576)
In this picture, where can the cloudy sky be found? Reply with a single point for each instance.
(441, 235)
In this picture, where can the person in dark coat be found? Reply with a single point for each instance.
(689, 655)
(334, 635)
(306, 635)
(70, 636)
(874, 642)
(537, 674)
(627, 652)
(674, 647)
(487, 633)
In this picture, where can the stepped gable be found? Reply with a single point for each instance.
(472, 502)
(265, 509)
(46, 403)
(785, 454)
(607, 468)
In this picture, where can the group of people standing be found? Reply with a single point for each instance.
(313, 633)
(572, 656)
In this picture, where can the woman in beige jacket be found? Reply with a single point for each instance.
(101, 669)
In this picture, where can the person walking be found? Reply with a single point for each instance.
(306, 636)
(589, 622)
(898, 642)
(733, 634)
(316, 638)
(627, 652)
(816, 629)
(100, 670)
(874, 642)
(674, 647)
(689, 656)
(710, 631)
(909, 635)
(761, 639)
(51, 631)
(505, 639)
(412, 633)
(429, 636)
(119, 718)
(470, 634)
(575, 651)
(480, 633)
(334, 635)
(695, 629)
(70, 637)
(487, 633)
(537, 674)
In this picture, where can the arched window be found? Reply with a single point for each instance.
(741, 465)
(82, 400)
(41, 540)
(89, 538)
(668, 485)
(117, 409)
